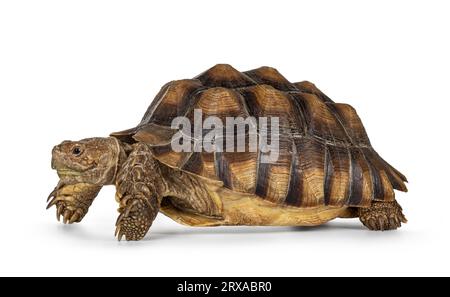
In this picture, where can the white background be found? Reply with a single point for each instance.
(75, 69)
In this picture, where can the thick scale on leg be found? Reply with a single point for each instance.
(382, 216)
(136, 217)
(138, 187)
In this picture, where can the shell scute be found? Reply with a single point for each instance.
(324, 154)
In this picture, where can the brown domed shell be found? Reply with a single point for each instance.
(325, 156)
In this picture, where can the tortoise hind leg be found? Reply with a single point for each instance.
(381, 216)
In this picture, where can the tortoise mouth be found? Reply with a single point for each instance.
(67, 172)
(64, 170)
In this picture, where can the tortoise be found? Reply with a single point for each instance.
(326, 167)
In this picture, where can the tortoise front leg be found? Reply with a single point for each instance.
(72, 201)
(137, 194)
(382, 216)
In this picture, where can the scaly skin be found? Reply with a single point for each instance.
(84, 167)
(139, 194)
(73, 201)
(142, 183)
(381, 216)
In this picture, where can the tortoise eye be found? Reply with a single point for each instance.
(76, 151)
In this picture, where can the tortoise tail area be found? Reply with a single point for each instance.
(395, 178)
(334, 163)
(370, 178)
(338, 176)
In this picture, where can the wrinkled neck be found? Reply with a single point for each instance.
(117, 162)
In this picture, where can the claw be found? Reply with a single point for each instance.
(55, 190)
(372, 223)
(392, 222)
(120, 235)
(396, 221)
(403, 219)
(75, 217)
(52, 202)
(128, 210)
(59, 211)
(124, 201)
(381, 223)
(66, 216)
(119, 219)
(52, 194)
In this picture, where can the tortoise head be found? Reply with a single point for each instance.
(91, 161)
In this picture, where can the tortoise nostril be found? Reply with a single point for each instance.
(55, 152)
(53, 162)
(56, 149)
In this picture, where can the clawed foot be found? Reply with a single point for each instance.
(382, 216)
(72, 201)
(136, 217)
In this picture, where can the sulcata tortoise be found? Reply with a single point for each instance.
(322, 165)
